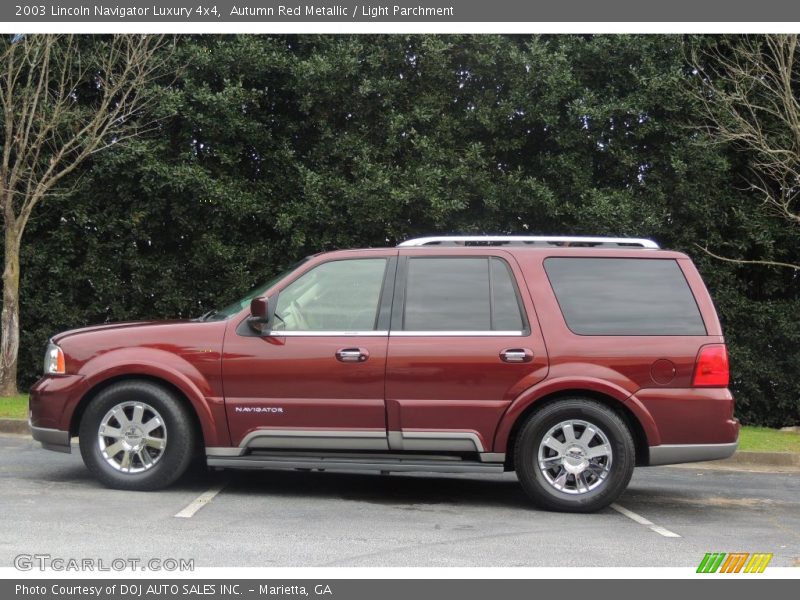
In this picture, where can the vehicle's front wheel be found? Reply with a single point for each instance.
(136, 435)
(574, 455)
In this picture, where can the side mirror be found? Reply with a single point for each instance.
(259, 314)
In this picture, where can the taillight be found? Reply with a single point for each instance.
(711, 368)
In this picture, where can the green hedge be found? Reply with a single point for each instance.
(272, 148)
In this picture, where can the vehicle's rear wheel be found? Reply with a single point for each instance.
(136, 435)
(574, 455)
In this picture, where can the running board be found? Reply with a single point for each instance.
(376, 463)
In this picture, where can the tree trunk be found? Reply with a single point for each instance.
(9, 318)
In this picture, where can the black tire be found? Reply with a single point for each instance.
(592, 488)
(176, 432)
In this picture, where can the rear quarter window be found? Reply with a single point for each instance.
(624, 296)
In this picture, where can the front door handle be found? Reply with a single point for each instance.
(352, 354)
(516, 355)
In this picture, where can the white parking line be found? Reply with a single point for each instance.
(642, 521)
(200, 501)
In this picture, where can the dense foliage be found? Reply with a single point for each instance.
(272, 148)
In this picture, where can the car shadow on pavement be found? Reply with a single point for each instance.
(393, 489)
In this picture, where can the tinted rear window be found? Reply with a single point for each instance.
(624, 296)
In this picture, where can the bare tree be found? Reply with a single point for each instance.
(749, 92)
(60, 103)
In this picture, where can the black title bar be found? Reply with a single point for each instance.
(413, 11)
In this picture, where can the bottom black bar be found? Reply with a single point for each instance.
(728, 587)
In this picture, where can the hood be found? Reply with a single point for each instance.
(110, 327)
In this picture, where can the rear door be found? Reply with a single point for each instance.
(464, 343)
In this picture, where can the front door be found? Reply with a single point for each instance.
(317, 380)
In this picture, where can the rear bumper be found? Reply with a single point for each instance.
(689, 416)
(52, 439)
(688, 424)
(671, 454)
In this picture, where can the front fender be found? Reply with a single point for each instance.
(165, 366)
(558, 385)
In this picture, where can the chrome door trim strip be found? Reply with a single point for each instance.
(452, 441)
(395, 440)
(315, 439)
(224, 451)
(435, 441)
(493, 457)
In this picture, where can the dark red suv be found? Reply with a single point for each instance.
(568, 360)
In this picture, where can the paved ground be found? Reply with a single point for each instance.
(49, 504)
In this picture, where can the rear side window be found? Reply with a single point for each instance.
(461, 294)
(624, 296)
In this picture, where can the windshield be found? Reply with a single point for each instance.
(235, 307)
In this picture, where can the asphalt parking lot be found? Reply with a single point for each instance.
(51, 505)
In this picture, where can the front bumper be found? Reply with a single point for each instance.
(52, 401)
(671, 454)
(52, 439)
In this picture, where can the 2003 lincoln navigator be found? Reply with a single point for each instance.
(569, 360)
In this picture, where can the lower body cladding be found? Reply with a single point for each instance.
(355, 462)
(51, 439)
(430, 451)
(359, 450)
(672, 454)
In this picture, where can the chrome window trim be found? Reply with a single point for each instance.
(405, 333)
(325, 333)
(398, 333)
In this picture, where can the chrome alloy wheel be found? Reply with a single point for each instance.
(575, 457)
(132, 437)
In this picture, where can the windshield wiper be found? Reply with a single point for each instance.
(207, 315)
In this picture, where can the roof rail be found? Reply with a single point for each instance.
(531, 240)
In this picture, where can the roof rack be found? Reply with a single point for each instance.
(531, 240)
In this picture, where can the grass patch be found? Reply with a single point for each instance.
(14, 407)
(763, 439)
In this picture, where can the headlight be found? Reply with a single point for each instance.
(54, 360)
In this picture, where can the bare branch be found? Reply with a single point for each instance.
(62, 100)
(749, 95)
(50, 129)
(741, 261)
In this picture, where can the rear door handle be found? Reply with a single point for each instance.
(516, 355)
(352, 354)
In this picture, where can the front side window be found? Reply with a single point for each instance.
(461, 294)
(341, 295)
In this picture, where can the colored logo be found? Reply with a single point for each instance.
(734, 562)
